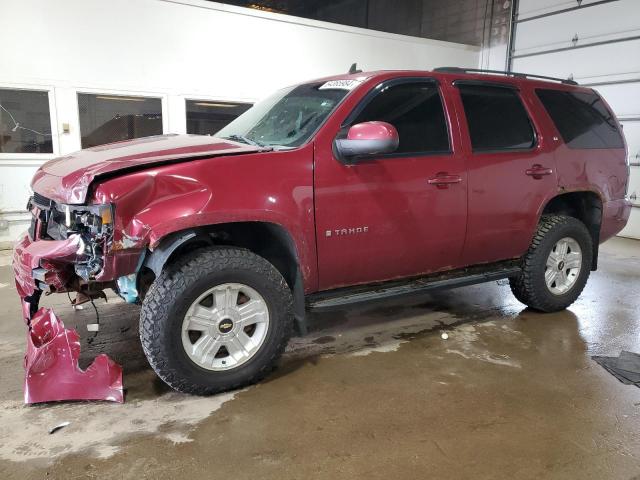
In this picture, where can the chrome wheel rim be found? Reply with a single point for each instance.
(563, 266)
(225, 327)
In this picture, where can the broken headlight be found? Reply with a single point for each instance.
(95, 221)
(94, 224)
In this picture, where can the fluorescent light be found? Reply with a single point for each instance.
(122, 99)
(223, 105)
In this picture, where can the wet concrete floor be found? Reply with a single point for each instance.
(371, 392)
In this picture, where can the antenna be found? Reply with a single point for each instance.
(354, 69)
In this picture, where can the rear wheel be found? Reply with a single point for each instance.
(556, 266)
(217, 320)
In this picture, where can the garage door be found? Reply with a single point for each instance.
(596, 43)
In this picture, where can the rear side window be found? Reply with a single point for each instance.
(496, 117)
(582, 119)
(415, 109)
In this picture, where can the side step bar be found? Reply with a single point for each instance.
(461, 278)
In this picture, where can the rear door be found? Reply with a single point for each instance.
(389, 217)
(511, 169)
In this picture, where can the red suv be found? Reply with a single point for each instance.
(346, 189)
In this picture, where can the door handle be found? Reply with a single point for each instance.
(537, 171)
(443, 180)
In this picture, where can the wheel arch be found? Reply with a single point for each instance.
(269, 240)
(586, 206)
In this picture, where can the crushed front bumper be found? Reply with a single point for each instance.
(51, 363)
(37, 264)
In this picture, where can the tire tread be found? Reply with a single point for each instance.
(162, 294)
(524, 285)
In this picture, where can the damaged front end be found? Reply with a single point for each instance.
(90, 225)
(65, 250)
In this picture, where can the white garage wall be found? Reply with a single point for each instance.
(597, 44)
(174, 50)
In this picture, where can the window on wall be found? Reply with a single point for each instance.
(207, 117)
(415, 109)
(112, 118)
(25, 121)
(582, 119)
(497, 118)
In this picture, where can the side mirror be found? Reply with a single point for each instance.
(368, 138)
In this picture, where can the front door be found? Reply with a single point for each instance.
(395, 215)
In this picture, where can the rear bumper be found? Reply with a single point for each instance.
(615, 215)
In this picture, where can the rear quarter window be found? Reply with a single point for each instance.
(582, 119)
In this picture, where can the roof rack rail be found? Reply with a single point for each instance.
(566, 81)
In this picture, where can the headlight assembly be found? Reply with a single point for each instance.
(95, 221)
(94, 225)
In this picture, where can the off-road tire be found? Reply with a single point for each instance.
(529, 287)
(179, 285)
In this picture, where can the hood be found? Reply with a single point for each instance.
(67, 179)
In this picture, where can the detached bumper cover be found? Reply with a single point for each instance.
(51, 362)
(51, 365)
(52, 258)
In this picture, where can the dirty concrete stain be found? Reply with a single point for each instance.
(390, 346)
(467, 342)
(497, 359)
(362, 337)
(324, 339)
(98, 429)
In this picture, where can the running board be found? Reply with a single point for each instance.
(460, 278)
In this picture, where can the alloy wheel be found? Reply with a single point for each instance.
(225, 326)
(563, 266)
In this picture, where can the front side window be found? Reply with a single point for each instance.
(582, 119)
(287, 118)
(25, 121)
(113, 118)
(497, 118)
(207, 117)
(415, 110)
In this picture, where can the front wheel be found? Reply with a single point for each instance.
(216, 320)
(557, 265)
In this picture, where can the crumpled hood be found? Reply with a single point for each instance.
(67, 179)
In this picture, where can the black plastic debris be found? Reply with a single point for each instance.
(625, 367)
(58, 427)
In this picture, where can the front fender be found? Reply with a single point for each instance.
(274, 188)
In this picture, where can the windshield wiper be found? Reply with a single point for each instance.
(243, 139)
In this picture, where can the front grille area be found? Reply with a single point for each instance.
(41, 200)
(42, 216)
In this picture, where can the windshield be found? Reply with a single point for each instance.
(287, 118)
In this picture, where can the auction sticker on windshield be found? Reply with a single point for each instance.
(347, 84)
